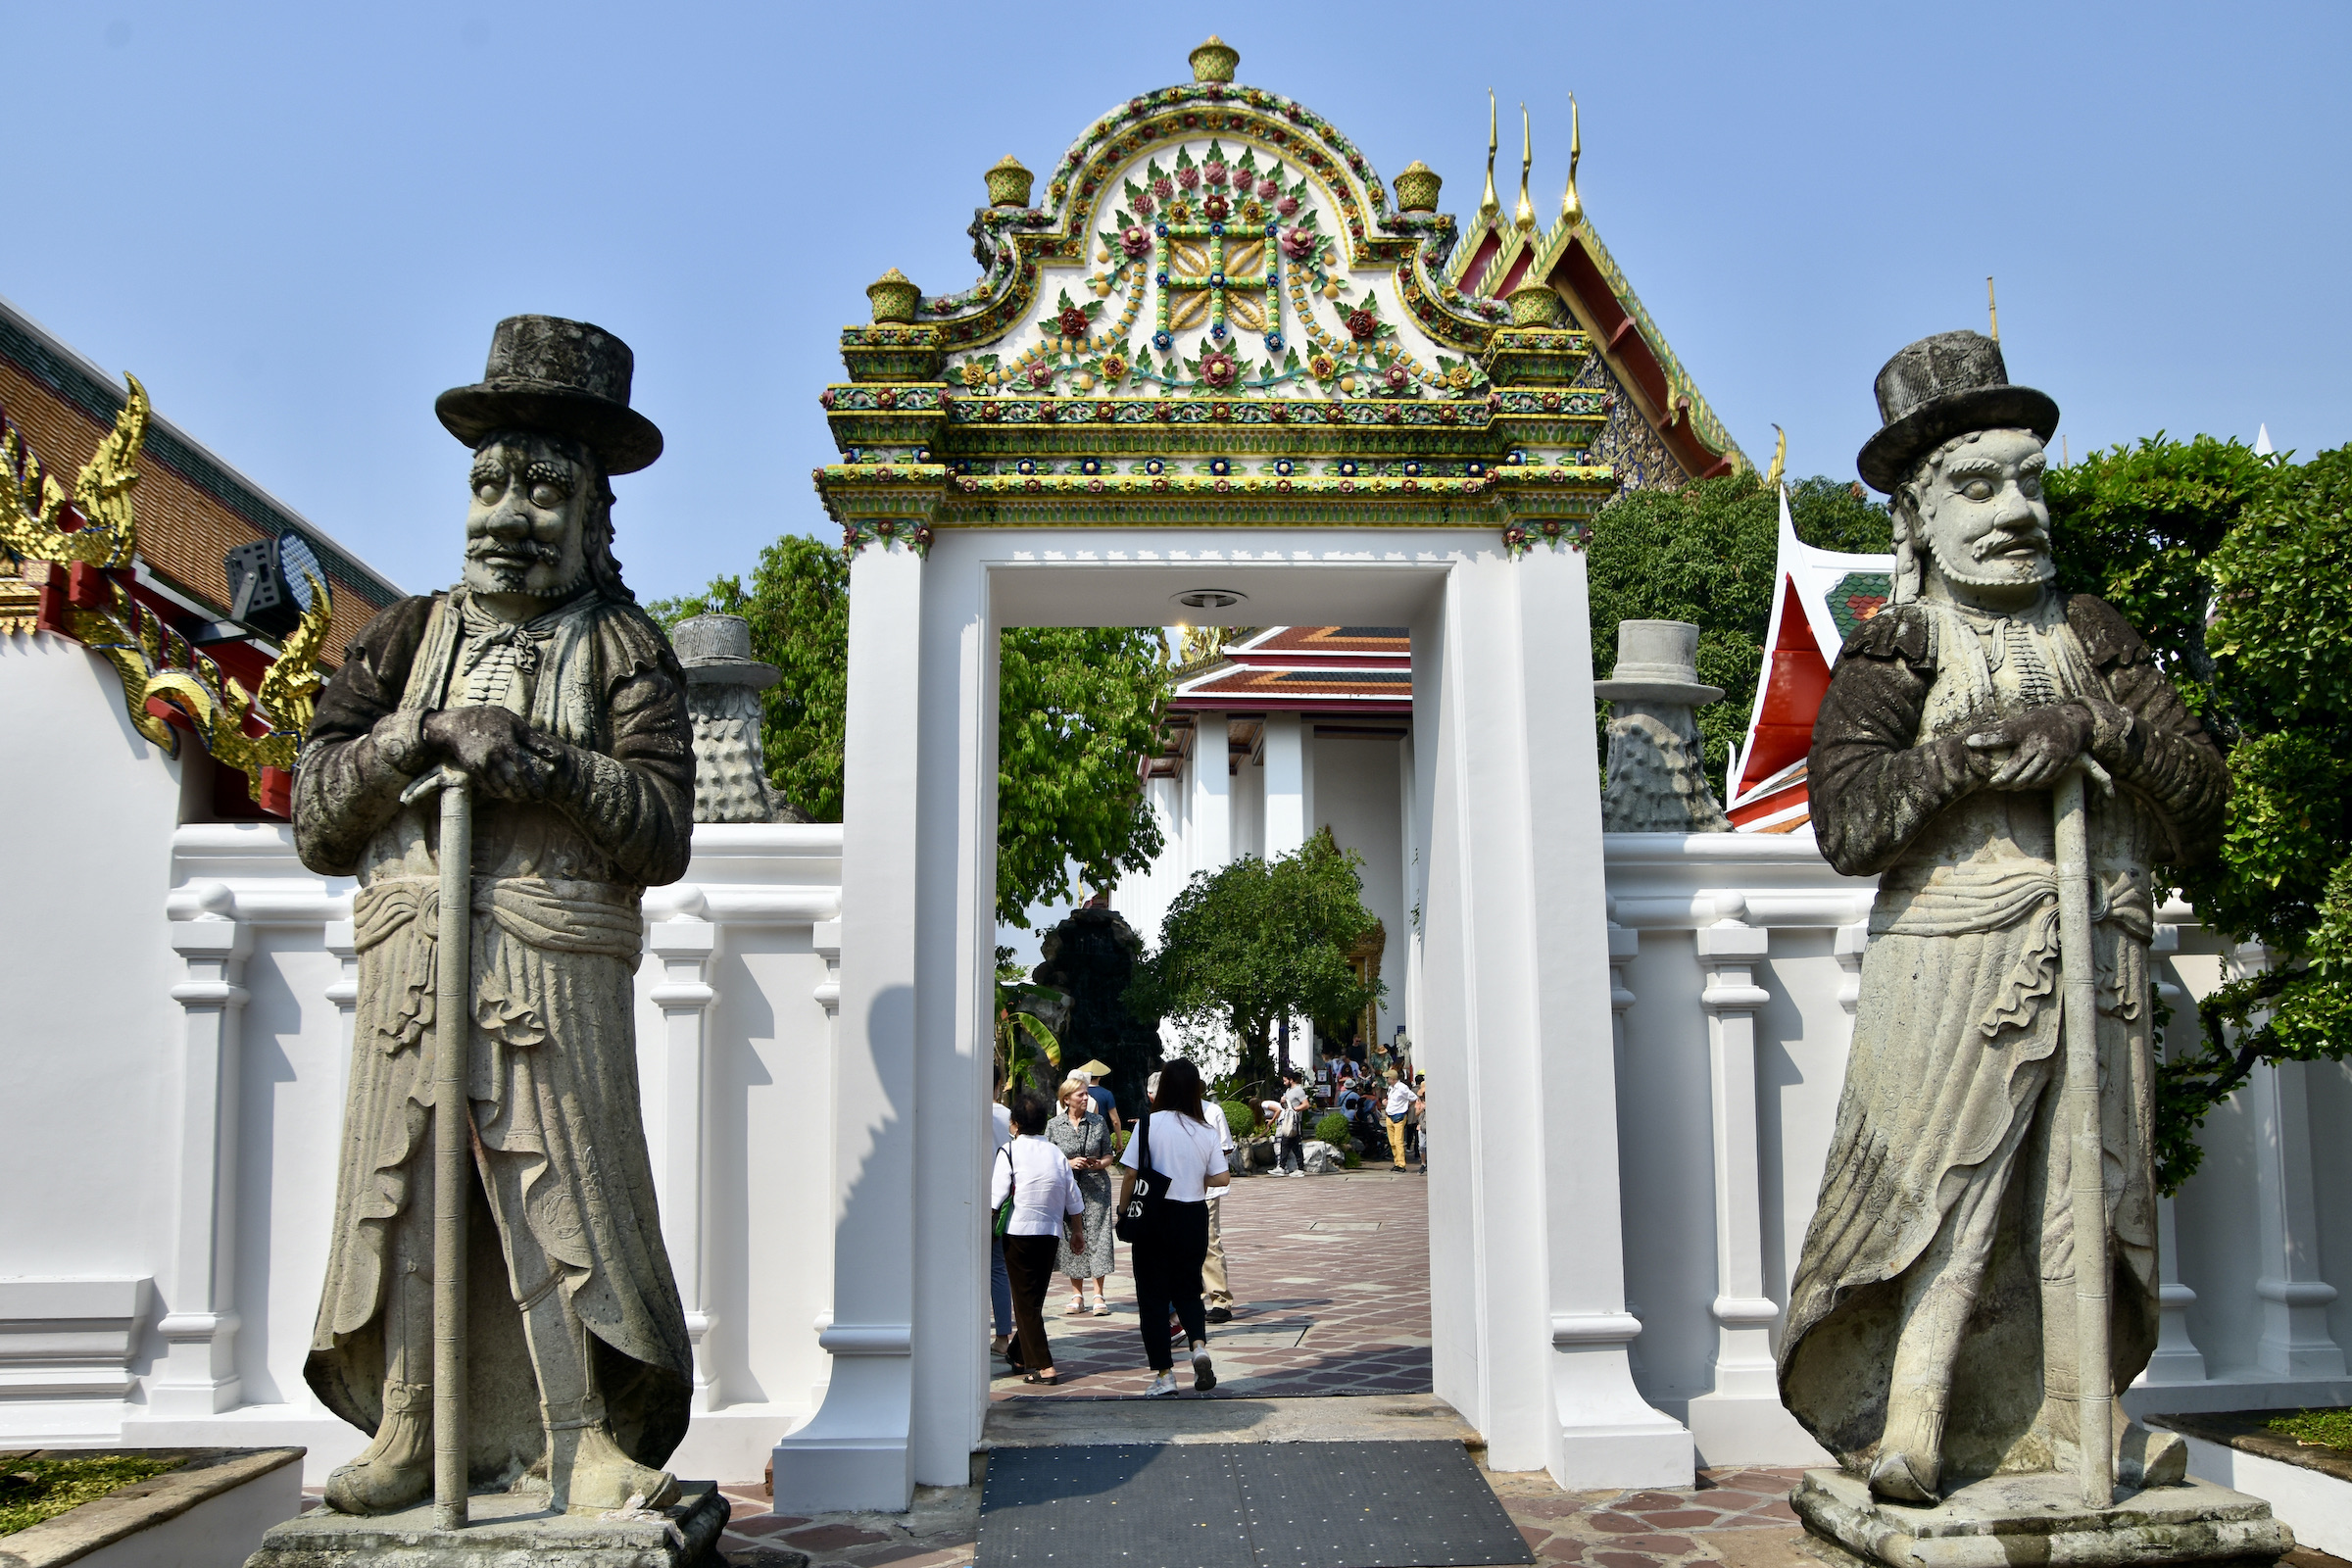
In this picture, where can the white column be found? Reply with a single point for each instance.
(1285, 785)
(2176, 1358)
(198, 1376)
(684, 944)
(1212, 795)
(854, 1451)
(2295, 1339)
(1527, 1241)
(1731, 952)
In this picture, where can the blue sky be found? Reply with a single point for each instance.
(297, 223)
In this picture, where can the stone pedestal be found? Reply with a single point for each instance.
(507, 1530)
(2036, 1518)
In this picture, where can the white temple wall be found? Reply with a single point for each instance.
(1358, 796)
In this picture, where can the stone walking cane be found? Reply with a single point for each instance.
(453, 1119)
(2095, 1391)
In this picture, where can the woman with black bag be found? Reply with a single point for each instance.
(1171, 1163)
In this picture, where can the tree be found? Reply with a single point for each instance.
(1077, 717)
(799, 609)
(2280, 695)
(1704, 554)
(1255, 942)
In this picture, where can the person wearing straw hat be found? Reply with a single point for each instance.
(1931, 1332)
(561, 704)
(1106, 1103)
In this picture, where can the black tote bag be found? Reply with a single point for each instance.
(1139, 1220)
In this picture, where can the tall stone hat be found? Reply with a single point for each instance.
(1940, 387)
(547, 373)
(1658, 661)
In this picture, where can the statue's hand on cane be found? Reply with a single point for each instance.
(2029, 751)
(505, 756)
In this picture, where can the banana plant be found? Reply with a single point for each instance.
(1028, 1052)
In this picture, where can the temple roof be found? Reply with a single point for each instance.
(1821, 596)
(1317, 671)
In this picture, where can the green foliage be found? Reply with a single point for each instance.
(1704, 554)
(34, 1489)
(2135, 524)
(1077, 715)
(1028, 1052)
(1258, 941)
(1332, 1128)
(799, 609)
(2325, 1429)
(2167, 533)
(1242, 1118)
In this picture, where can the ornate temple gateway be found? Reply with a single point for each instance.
(1217, 314)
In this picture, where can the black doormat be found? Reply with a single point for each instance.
(1242, 1505)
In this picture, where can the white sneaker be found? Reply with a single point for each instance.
(1204, 1377)
(1162, 1386)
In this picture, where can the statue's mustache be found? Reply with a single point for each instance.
(529, 550)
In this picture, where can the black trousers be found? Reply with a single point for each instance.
(1289, 1154)
(1029, 1263)
(1167, 1275)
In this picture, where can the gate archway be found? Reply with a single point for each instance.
(1216, 374)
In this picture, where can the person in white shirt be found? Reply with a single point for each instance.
(1188, 1162)
(1289, 1126)
(1034, 1178)
(1216, 1294)
(999, 1284)
(1397, 1107)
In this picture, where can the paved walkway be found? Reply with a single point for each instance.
(1330, 1276)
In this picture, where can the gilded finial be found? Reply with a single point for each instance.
(894, 296)
(1780, 459)
(1572, 209)
(1992, 308)
(1524, 215)
(1418, 188)
(1489, 209)
(1009, 183)
(1214, 61)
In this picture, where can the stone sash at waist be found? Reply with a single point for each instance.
(599, 918)
(1953, 899)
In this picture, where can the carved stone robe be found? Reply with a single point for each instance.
(1955, 1075)
(555, 939)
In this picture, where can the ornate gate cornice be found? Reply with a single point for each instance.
(1216, 319)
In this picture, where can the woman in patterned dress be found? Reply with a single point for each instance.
(1081, 1134)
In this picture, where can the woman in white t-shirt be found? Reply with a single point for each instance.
(1035, 1178)
(1166, 1261)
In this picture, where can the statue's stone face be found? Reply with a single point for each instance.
(524, 531)
(1978, 507)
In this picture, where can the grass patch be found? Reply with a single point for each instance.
(2326, 1429)
(34, 1489)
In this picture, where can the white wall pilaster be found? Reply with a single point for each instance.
(198, 1376)
(2176, 1358)
(854, 1451)
(683, 946)
(1285, 785)
(2296, 1338)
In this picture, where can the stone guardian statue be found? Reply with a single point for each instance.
(540, 677)
(1931, 1331)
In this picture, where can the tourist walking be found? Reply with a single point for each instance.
(1397, 1109)
(1084, 1138)
(1165, 1256)
(1289, 1126)
(999, 1284)
(1106, 1103)
(1038, 1204)
(1215, 1293)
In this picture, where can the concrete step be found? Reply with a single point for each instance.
(1068, 1422)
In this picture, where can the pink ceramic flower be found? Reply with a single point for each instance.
(1162, 188)
(1397, 379)
(1298, 244)
(1268, 189)
(1214, 208)
(1216, 370)
(1218, 174)
(1144, 204)
(1189, 178)
(1136, 241)
(1288, 206)
(1040, 375)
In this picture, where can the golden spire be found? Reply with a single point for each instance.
(1992, 308)
(1489, 209)
(1780, 460)
(1524, 217)
(1572, 210)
